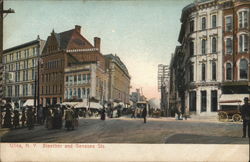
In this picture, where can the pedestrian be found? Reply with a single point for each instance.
(16, 119)
(23, 117)
(7, 117)
(40, 115)
(76, 117)
(245, 113)
(30, 118)
(144, 114)
(49, 122)
(69, 119)
(133, 113)
(103, 114)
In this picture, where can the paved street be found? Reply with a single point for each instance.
(126, 130)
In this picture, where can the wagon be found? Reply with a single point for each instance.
(226, 115)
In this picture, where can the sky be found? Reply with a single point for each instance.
(143, 33)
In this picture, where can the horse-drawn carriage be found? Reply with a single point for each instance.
(226, 115)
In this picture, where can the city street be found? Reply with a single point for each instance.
(127, 130)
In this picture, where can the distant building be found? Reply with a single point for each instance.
(20, 71)
(61, 52)
(119, 80)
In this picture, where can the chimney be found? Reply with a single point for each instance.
(97, 43)
(78, 28)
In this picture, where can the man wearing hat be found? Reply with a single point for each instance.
(245, 113)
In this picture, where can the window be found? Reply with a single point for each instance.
(17, 76)
(203, 72)
(79, 92)
(35, 51)
(74, 92)
(192, 26)
(214, 102)
(203, 46)
(88, 91)
(33, 89)
(70, 93)
(17, 88)
(203, 23)
(26, 53)
(79, 78)
(243, 43)
(75, 79)
(213, 71)
(83, 92)
(10, 91)
(243, 19)
(228, 71)
(214, 21)
(191, 48)
(229, 23)
(214, 45)
(191, 73)
(243, 69)
(203, 101)
(33, 74)
(67, 79)
(25, 90)
(192, 101)
(229, 45)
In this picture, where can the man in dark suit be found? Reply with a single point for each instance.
(245, 113)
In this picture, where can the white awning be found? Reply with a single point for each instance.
(29, 102)
(84, 104)
(95, 105)
(232, 99)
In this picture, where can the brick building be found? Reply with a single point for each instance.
(236, 54)
(61, 51)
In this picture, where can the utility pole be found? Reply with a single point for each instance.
(2, 12)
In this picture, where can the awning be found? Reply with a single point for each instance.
(84, 104)
(29, 102)
(232, 99)
(95, 105)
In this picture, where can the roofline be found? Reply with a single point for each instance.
(22, 45)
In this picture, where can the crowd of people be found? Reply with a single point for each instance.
(51, 117)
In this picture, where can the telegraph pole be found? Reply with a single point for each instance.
(2, 12)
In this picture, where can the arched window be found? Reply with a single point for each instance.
(228, 71)
(214, 45)
(243, 69)
(243, 43)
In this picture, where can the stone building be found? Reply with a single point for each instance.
(119, 80)
(85, 80)
(20, 71)
(214, 57)
(236, 55)
(63, 50)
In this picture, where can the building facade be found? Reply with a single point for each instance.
(62, 51)
(84, 81)
(236, 54)
(213, 57)
(20, 71)
(119, 80)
